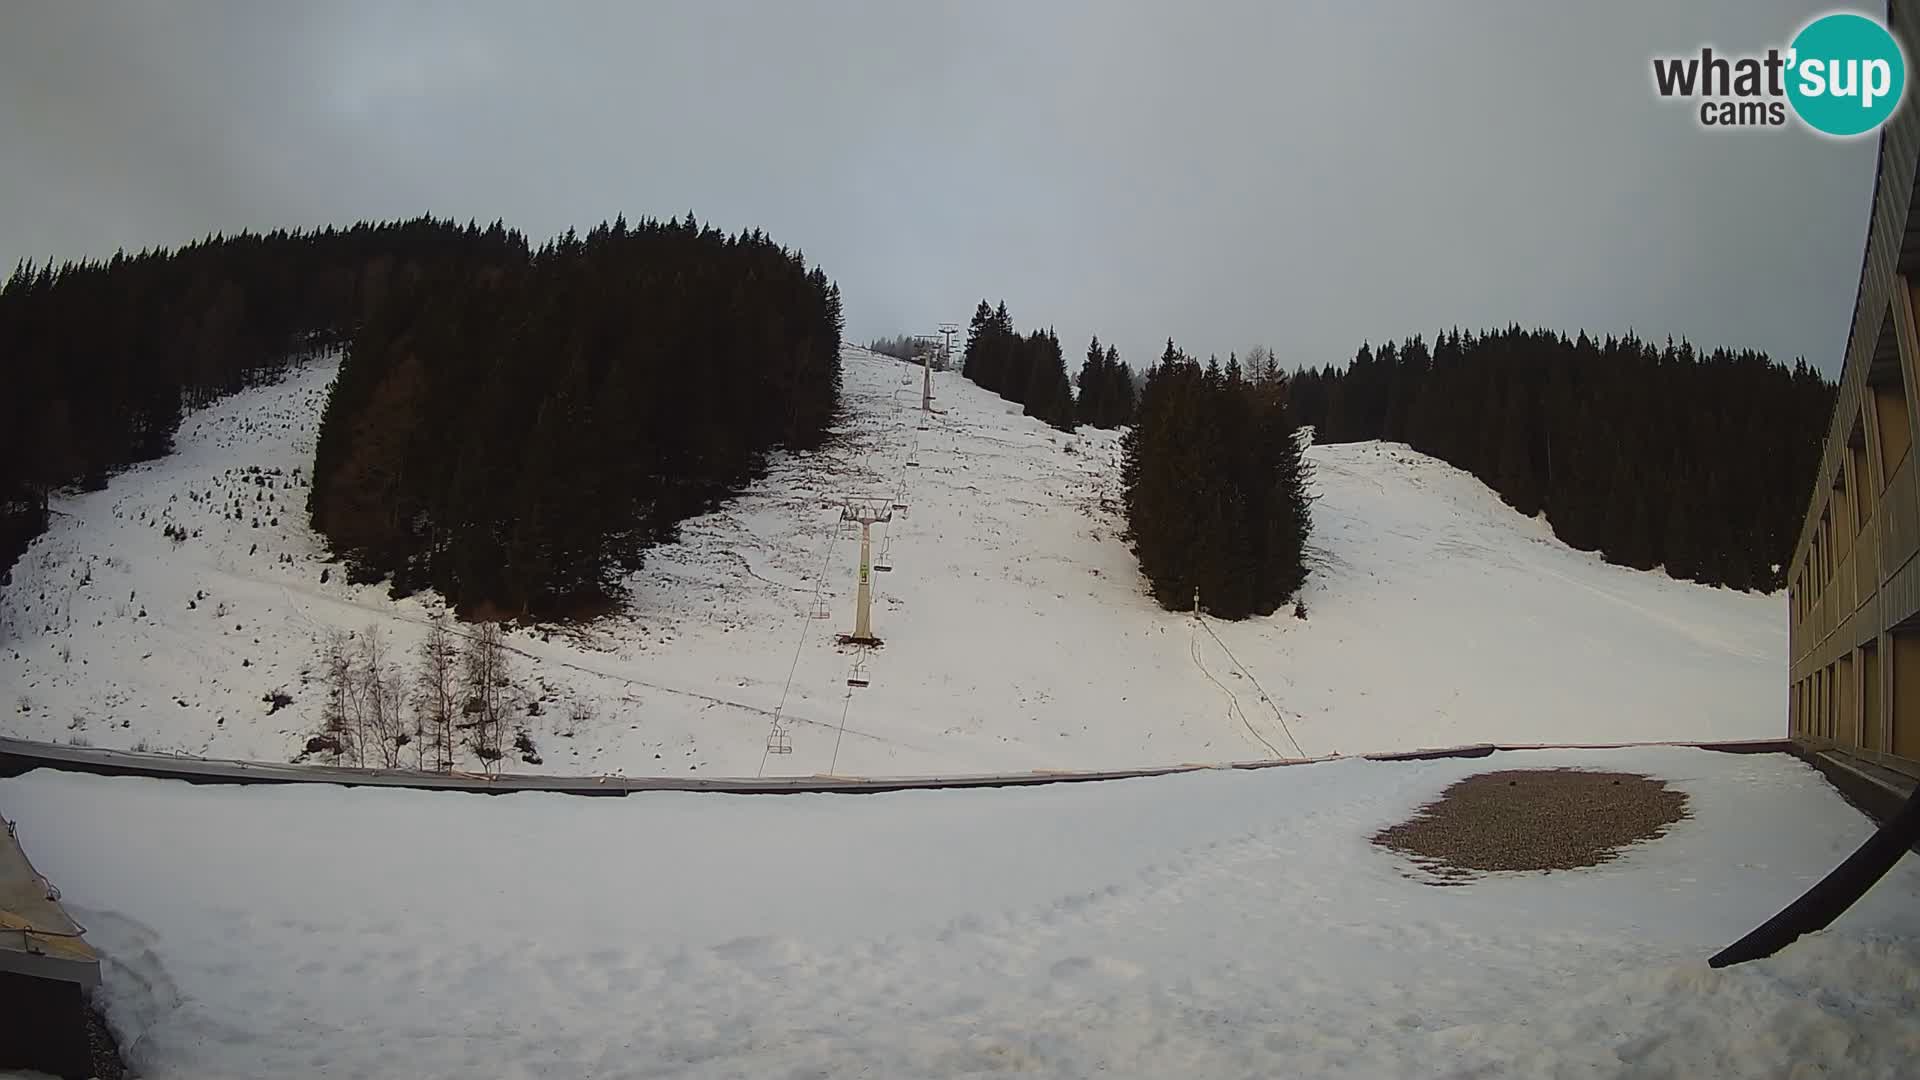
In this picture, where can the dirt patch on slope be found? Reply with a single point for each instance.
(1534, 819)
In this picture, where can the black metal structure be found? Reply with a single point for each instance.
(1819, 906)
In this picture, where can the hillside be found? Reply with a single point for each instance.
(1017, 632)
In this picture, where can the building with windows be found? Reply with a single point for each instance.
(1854, 583)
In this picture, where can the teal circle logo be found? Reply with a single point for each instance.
(1846, 74)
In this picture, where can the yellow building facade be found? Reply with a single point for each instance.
(1854, 583)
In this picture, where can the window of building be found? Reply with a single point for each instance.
(1889, 385)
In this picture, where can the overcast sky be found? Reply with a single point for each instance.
(1224, 172)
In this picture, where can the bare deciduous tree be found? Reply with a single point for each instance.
(382, 698)
(436, 697)
(1262, 367)
(484, 684)
(340, 721)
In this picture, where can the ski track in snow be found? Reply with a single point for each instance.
(1018, 631)
(1223, 923)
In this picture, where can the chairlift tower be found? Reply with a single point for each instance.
(926, 381)
(867, 515)
(948, 331)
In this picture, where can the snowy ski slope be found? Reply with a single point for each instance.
(1017, 632)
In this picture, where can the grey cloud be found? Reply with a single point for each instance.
(1224, 172)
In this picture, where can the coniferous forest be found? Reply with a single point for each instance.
(101, 358)
(913, 350)
(1653, 456)
(512, 427)
(1216, 488)
(1029, 371)
(1215, 485)
(1106, 388)
(516, 437)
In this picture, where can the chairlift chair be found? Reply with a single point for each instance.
(778, 743)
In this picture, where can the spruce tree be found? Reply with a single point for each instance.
(1095, 387)
(974, 358)
(1048, 396)
(1215, 490)
(1515, 472)
(1120, 395)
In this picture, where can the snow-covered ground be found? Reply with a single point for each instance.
(1208, 924)
(1018, 634)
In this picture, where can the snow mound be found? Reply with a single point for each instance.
(1018, 634)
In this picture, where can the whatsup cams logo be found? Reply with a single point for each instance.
(1842, 75)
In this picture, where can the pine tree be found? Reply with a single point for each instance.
(1048, 395)
(1289, 517)
(1408, 378)
(1120, 395)
(1095, 387)
(1215, 490)
(1009, 365)
(1515, 472)
(974, 360)
(1679, 547)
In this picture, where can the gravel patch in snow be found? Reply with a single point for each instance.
(1535, 819)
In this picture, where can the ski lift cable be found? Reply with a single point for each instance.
(858, 669)
(819, 583)
(1233, 702)
(1264, 696)
(847, 704)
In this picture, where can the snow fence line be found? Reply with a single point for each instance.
(18, 756)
